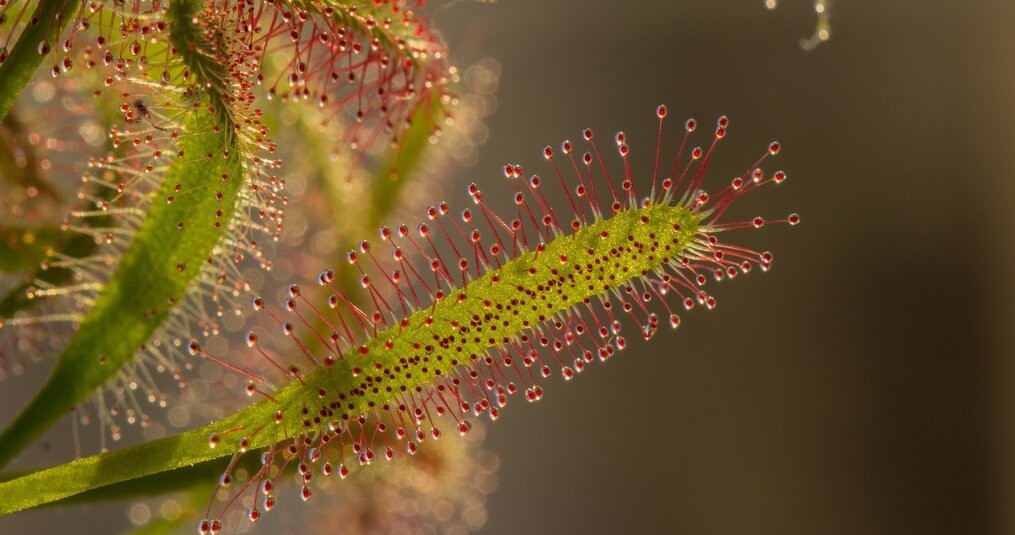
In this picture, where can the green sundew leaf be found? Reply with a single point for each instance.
(156, 271)
(669, 230)
(180, 480)
(23, 248)
(24, 58)
(190, 39)
(187, 479)
(106, 469)
(163, 259)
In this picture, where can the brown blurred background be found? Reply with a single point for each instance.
(864, 385)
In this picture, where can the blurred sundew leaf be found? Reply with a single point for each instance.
(400, 165)
(396, 169)
(24, 248)
(161, 261)
(71, 245)
(19, 163)
(159, 266)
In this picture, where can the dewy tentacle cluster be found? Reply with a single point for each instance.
(497, 304)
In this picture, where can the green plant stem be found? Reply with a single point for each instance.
(24, 58)
(162, 455)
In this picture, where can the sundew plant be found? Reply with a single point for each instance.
(154, 157)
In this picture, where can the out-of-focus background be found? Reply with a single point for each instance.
(864, 385)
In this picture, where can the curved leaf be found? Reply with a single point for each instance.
(154, 273)
(200, 188)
